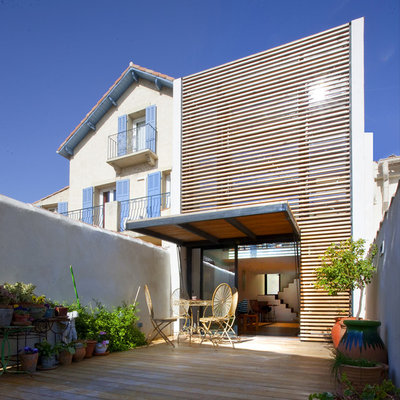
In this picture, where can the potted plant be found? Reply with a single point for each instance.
(6, 309)
(23, 292)
(345, 266)
(65, 353)
(50, 307)
(47, 354)
(357, 372)
(37, 309)
(80, 350)
(21, 316)
(102, 344)
(29, 359)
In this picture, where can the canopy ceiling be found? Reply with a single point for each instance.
(257, 224)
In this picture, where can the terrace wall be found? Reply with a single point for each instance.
(38, 246)
(383, 295)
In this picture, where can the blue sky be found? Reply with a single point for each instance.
(59, 57)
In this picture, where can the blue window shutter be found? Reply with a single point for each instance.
(122, 121)
(87, 205)
(151, 126)
(154, 194)
(122, 195)
(62, 207)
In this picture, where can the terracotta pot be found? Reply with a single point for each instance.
(6, 314)
(80, 353)
(338, 330)
(362, 341)
(21, 319)
(65, 358)
(90, 346)
(29, 362)
(361, 376)
(61, 311)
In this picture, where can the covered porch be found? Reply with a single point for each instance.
(258, 368)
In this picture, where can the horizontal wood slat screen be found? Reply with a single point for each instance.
(275, 126)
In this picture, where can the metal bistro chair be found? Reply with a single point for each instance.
(158, 323)
(228, 323)
(221, 305)
(180, 310)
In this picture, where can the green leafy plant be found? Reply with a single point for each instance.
(68, 347)
(119, 323)
(46, 349)
(345, 266)
(6, 297)
(341, 359)
(23, 292)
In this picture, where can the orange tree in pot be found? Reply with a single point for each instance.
(345, 266)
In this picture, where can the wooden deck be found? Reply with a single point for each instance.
(260, 368)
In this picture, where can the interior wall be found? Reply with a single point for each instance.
(38, 246)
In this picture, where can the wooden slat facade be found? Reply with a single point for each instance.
(275, 127)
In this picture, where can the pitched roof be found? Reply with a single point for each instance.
(52, 194)
(109, 99)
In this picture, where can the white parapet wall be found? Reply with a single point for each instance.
(38, 246)
(383, 294)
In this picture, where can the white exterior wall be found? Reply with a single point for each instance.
(53, 199)
(383, 295)
(361, 151)
(38, 247)
(88, 165)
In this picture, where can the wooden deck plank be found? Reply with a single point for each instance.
(261, 368)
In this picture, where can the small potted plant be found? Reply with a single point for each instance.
(29, 359)
(47, 354)
(6, 309)
(37, 309)
(21, 316)
(80, 350)
(66, 352)
(102, 344)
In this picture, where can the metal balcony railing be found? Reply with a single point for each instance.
(144, 207)
(131, 141)
(133, 209)
(90, 215)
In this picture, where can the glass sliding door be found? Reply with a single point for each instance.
(218, 266)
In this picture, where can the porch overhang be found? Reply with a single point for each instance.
(247, 225)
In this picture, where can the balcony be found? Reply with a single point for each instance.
(114, 215)
(132, 147)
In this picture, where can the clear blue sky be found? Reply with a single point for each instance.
(59, 57)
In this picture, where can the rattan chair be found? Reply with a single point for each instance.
(213, 326)
(158, 323)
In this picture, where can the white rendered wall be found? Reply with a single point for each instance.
(88, 165)
(38, 247)
(383, 295)
(361, 151)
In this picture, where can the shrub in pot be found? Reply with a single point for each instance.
(66, 352)
(47, 354)
(6, 309)
(345, 266)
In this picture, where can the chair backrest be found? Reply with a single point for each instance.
(180, 307)
(235, 299)
(222, 300)
(148, 301)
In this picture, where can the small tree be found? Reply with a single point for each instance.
(345, 267)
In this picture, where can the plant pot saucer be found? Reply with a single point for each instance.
(102, 354)
(40, 368)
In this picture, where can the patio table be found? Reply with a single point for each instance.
(194, 322)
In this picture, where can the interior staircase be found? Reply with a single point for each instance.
(285, 303)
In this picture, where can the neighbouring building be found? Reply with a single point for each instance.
(120, 154)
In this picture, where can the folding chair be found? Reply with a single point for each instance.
(221, 306)
(180, 310)
(158, 323)
(228, 322)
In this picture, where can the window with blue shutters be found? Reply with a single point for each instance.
(122, 195)
(87, 205)
(122, 137)
(62, 207)
(154, 194)
(151, 126)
